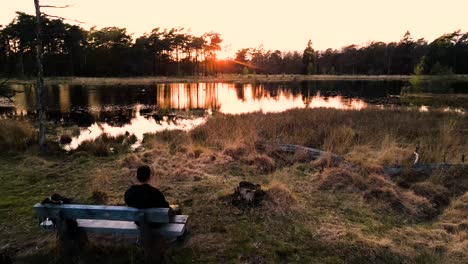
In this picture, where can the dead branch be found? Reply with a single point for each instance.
(62, 18)
(313, 153)
(10, 94)
(9, 98)
(5, 81)
(52, 6)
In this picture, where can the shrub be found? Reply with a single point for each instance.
(97, 147)
(103, 146)
(65, 139)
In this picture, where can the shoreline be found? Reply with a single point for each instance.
(233, 78)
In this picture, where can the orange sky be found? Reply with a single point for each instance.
(283, 25)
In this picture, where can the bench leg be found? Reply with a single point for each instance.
(153, 244)
(71, 240)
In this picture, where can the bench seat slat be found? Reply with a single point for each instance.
(105, 226)
(179, 219)
(118, 213)
(126, 227)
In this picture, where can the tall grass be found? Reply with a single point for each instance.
(439, 135)
(105, 145)
(15, 135)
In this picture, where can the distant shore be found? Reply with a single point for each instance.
(234, 78)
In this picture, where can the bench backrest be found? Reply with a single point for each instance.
(102, 212)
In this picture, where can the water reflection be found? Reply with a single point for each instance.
(143, 109)
(138, 125)
(221, 97)
(260, 99)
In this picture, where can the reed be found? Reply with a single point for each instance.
(392, 134)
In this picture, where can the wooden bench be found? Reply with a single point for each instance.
(153, 223)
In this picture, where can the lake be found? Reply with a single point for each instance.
(151, 108)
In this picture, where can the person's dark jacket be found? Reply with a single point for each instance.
(145, 196)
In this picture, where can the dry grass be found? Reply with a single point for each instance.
(341, 180)
(454, 221)
(438, 195)
(106, 145)
(390, 135)
(446, 141)
(302, 156)
(454, 179)
(131, 161)
(383, 194)
(347, 214)
(391, 153)
(184, 174)
(236, 152)
(324, 161)
(15, 135)
(280, 199)
(226, 131)
(456, 213)
(339, 140)
(175, 140)
(264, 164)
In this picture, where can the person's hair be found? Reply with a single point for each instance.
(143, 173)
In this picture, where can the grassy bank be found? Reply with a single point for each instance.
(232, 78)
(314, 211)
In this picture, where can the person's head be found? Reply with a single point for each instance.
(144, 173)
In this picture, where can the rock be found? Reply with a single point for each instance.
(247, 194)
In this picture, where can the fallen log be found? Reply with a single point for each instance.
(395, 171)
(392, 171)
(292, 149)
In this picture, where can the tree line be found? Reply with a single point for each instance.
(70, 50)
(447, 54)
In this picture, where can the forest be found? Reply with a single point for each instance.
(70, 50)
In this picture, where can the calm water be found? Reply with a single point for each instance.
(143, 109)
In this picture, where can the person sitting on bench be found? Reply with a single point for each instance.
(143, 196)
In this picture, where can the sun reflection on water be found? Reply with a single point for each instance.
(139, 125)
(115, 110)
